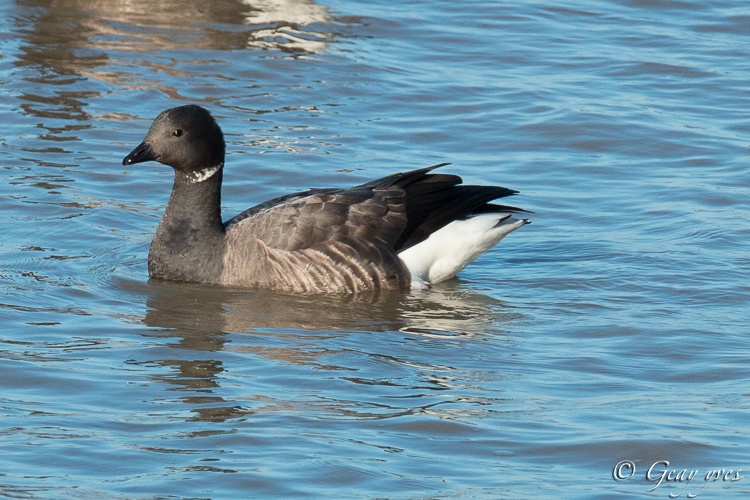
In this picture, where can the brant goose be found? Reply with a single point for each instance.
(406, 230)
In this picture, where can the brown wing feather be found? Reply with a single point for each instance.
(397, 211)
(304, 220)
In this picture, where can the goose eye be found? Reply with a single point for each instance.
(177, 132)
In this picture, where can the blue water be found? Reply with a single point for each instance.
(613, 328)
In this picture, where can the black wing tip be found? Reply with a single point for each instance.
(422, 170)
(495, 208)
(444, 164)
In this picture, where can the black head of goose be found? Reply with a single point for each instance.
(406, 230)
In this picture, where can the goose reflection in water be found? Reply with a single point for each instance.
(446, 310)
(199, 322)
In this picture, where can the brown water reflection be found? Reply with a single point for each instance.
(74, 43)
(70, 31)
(446, 310)
(296, 329)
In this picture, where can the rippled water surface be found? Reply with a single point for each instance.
(613, 328)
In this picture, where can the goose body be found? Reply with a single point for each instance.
(406, 230)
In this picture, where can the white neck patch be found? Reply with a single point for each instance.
(202, 175)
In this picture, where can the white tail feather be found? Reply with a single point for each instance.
(453, 247)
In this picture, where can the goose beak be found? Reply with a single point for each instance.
(143, 152)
